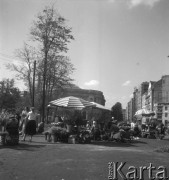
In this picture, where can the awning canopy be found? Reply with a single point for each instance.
(144, 112)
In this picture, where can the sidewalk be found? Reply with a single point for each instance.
(40, 160)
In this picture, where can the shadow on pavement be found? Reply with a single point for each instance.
(23, 146)
(117, 144)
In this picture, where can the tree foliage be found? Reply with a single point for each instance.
(50, 31)
(24, 69)
(49, 37)
(9, 95)
(117, 112)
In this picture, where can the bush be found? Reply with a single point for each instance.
(163, 149)
(60, 133)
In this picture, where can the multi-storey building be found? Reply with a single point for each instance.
(161, 99)
(149, 99)
(156, 98)
(153, 96)
(138, 93)
(158, 92)
(162, 112)
(124, 114)
(144, 98)
(130, 110)
(165, 89)
(135, 99)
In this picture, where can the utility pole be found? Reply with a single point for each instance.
(44, 86)
(33, 96)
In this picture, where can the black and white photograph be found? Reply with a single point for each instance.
(84, 89)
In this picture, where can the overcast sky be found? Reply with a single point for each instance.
(118, 43)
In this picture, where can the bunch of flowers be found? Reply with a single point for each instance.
(4, 116)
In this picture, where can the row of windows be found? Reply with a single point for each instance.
(161, 109)
(160, 115)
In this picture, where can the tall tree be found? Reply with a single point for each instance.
(117, 112)
(51, 37)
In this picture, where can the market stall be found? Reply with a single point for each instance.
(149, 124)
(71, 111)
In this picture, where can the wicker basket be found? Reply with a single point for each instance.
(9, 139)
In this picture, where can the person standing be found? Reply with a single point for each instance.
(30, 128)
(23, 120)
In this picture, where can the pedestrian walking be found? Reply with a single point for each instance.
(23, 120)
(30, 128)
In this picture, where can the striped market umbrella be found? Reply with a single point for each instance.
(71, 102)
(99, 106)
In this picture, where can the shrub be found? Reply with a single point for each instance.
(163, 149)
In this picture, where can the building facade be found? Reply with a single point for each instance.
(162, 112)
(130, 110)
(137, 95)
(149, 99)
(153, 96)
(124, 114)
(88, 95)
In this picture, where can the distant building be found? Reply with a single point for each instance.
(160, 104)
(138, 101)
(88, 95)
(124, 114)
(162, 112)
(153, 96)
(130, 110)
(149, 99)
(138, 93)
(144, 100)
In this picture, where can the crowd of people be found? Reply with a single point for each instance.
(28, 124)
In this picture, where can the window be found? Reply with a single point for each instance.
(166, 108)
(159, 116)
(166, 122)
(166, 96)
(166, 114)
(160, 109)
(160, 96)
